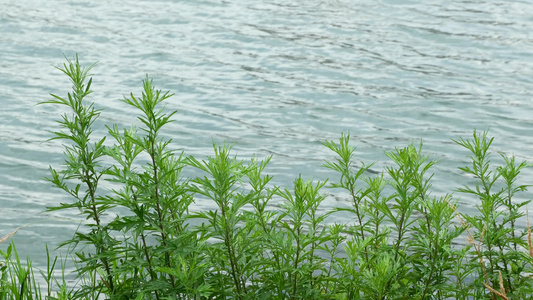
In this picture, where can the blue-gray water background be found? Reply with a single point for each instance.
(276, 77)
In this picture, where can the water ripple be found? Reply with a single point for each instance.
(276, 77)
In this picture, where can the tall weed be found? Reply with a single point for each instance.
(141, 239)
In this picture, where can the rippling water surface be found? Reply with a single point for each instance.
(275, 77)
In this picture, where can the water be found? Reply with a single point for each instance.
(275, 77)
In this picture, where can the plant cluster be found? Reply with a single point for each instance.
(140, 239)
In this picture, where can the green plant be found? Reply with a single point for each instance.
(83, 170)
(392, 253)
(498, 251)
(132, 252)
(234, 248)
(140, 238)
(18, 279)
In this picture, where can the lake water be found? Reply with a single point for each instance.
(275, 77)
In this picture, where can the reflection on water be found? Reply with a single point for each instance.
(276, 77)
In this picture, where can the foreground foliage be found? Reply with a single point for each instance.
(140, 240)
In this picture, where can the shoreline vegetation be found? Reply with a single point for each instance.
(402, 243)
